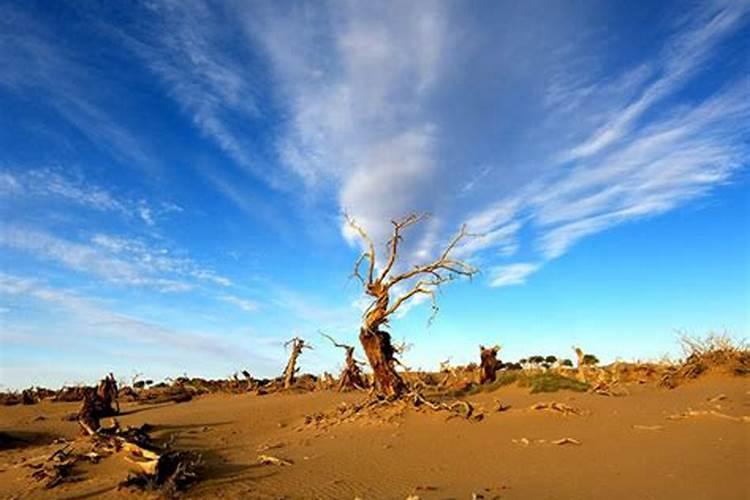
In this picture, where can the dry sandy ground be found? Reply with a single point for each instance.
(629, 447)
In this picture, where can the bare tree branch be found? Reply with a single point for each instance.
(370, 253)
(443, 263)
(333, 341)
(356, 273)
(396, 238)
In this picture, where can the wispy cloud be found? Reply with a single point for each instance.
(204, 71)
(512, 274)
(631, 166)
(681, 58)
(114, 259)
(368, 90)
(365, 96)
(95, 319)
(244, 304)
(49, 184)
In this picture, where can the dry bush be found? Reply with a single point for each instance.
(716, 352)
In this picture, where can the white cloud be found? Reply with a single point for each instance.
(114, 259)
(681, 58)
(54, 184)
(512, 274)
(94, 319)
(244, 304)
(400, 107)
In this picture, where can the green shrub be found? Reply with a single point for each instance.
(552, 382)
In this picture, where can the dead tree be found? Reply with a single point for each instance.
(488, 364)
(351, 375)
(423, 280)
(107, 393)
(291, 367)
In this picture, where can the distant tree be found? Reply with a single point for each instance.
(550, 359)
(566, 362)
(488, 365)
(423, 280)
(590, 359)
(536, 359)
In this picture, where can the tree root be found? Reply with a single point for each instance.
(387, 409)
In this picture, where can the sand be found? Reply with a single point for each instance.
(629, 447)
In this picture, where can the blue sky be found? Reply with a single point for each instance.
(173, 174)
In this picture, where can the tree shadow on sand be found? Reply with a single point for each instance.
(216, 471)
(23, 439)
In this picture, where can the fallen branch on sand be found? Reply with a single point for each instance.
(554, 406)
(559, 442)
(566, 440)
(158, 468)
(271, 460)
(714, 413)
(55, 469)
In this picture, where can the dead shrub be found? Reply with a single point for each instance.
(716, 352)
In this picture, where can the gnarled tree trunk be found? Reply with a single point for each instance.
(291, 367)
(108, 394)
(351, 376)
(380, 354)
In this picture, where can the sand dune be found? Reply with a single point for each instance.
(643, 445)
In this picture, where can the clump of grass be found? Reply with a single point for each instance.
(501, 379)
(536, 381)
(552, 382)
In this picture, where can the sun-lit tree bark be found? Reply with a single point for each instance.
(291, 367)
(422, 279)
(351, 376)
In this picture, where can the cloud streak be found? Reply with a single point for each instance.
(94, 320)
(117, 260)
(52, 185)
(512, 274)
(358, 103)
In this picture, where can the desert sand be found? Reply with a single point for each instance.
(641, 445)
